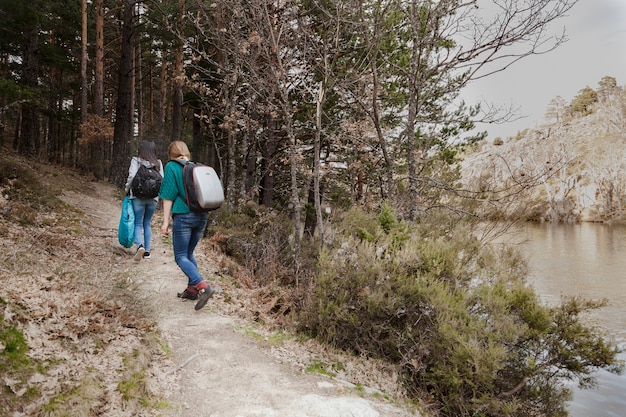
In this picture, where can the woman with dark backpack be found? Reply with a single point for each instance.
(144, 180)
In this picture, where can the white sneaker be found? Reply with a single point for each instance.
(139, 254)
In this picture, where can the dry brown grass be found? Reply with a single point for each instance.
(61, 291)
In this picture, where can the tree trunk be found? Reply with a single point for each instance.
(295, 197)
(139, 96)
(310, 219)
(249, 174)
(55, 143)
(317, 162)
(133, 91)
(266, 192)
(83, 63)
(98, 94)
(196, 136)
(29, 138)
(177, 94)
(228, 177)
(409, 130)
(150, 97)
(390, 189)
(123, 131)
(163, 91)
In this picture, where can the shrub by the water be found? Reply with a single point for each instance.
(456, 316)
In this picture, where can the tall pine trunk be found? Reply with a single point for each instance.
(28, 140)
(83, 63)
(177, 94)
(98, 99)
(123, 131)
(163, 90)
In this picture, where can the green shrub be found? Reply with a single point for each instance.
(455, 316)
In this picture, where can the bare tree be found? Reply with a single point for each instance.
(452, 44)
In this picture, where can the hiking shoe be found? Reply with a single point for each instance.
(139, 254)
(146, 255)
(204, 297)
(188, 294)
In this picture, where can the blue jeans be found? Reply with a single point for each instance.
(144, 210)
(187, 229)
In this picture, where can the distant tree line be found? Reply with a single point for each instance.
(582, 103)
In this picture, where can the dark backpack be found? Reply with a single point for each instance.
(203, 188)
(147, 182)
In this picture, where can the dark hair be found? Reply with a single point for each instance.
(147, 152)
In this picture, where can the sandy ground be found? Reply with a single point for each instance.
(218, 364)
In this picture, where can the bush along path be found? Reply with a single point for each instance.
(105, 335)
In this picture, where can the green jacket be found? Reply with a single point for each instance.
(173, 188)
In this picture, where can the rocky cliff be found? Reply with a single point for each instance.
(572, 169)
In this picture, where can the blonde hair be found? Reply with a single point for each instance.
(178, 150)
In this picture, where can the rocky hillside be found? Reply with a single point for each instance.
(570, 170)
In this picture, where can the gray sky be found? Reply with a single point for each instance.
(596, 47)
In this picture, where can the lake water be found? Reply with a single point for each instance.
(587, 260)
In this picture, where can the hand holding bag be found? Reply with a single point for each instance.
(126, 228)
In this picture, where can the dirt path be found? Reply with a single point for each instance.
(218, 364)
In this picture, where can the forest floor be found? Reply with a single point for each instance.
(111, 338)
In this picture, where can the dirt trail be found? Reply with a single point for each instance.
(216, 368)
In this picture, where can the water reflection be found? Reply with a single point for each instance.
(586, 260)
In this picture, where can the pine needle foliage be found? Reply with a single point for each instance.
(455, 315)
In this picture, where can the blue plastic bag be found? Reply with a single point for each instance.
(126, 228)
